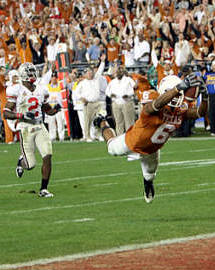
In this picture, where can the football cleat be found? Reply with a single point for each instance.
(149, 191)
(45, 193)
(19, 169)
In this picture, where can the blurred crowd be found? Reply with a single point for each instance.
(149, 39)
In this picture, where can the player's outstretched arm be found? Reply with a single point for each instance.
(188, 82)
(161, 101)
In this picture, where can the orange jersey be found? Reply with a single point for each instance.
(150, 132)
(143, 84)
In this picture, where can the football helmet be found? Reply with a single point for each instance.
(13, 73)
(28, 72)
(168, 83)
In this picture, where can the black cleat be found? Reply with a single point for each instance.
(149, 191)
(19, 169)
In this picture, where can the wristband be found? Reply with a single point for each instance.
(153, 107)
(19, 115)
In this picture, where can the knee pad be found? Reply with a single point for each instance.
(149, 176)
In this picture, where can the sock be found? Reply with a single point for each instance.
(44, 184)
(19, 163)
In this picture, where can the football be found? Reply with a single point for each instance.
(192, 93)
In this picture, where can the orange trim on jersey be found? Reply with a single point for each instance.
(12, 97)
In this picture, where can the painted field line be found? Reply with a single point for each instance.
(16, 212)
(68, 179)
(109, 157)
(190, 163)
(192, 139)
(108, 251)
(73, 220)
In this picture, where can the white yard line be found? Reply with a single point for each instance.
(17, 212)
(192, 139)
(107, 251)
(73, 220)
(187, 163)
(68, 179)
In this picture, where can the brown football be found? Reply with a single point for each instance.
(191, 94)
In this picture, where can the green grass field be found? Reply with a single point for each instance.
(98, 200)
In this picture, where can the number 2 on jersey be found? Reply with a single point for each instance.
(34, 106)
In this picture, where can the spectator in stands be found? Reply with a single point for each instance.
(37, 50)
(167, 51)
(113, 51)
(141, 49)
(128, 54)
(13, 58)
(93, 52)
(164, 67)
(23, 47)
(52, 49)
(80, 52)
(182, 51)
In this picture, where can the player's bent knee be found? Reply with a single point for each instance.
(47, 157)
(117, 146)
(149, 176)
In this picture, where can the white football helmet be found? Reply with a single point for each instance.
(168, 83)
(28, 72)
(13, 76)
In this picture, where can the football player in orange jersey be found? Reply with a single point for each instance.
(162, 112)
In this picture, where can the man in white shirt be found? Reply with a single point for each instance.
(56, 123)
(121, 91)
(52, 49)
(128, 53)
(182, 51)
(141, 49)
(88, 91)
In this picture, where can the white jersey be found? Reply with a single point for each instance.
(27, 101)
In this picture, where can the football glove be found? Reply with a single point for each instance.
(57, 108)
(188, 82)
(28, 117)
